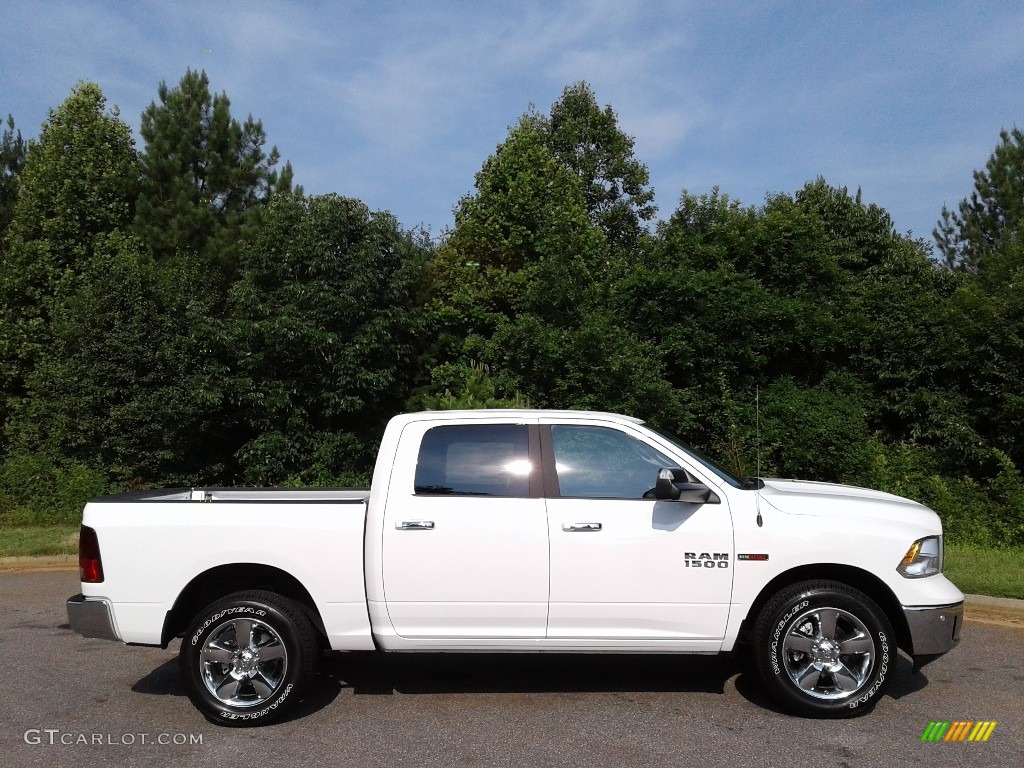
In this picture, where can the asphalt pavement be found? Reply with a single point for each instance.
(70, 701)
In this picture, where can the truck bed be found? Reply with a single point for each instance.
(158, 545)
(338, 495)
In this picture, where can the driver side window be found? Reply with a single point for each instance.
(603, 463)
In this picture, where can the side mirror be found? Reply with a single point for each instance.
(676, 484)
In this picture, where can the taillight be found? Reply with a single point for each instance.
(90, 567)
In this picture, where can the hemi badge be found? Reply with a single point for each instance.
(751, 557)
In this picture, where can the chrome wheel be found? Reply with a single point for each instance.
(243, 662)
(828, 653)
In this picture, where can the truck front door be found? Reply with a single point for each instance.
(625, 568)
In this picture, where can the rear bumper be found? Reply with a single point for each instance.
(90, 617)
(934, 629)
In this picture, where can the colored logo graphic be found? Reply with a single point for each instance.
(959, 730)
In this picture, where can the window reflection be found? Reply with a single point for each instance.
(476, 460)
(599, 462)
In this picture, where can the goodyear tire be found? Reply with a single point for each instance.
(248, 658)
(824, 649)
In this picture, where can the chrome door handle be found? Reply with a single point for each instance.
(581, 526)
(415, 525)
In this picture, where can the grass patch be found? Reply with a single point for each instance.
(20, 541)
(984, 571)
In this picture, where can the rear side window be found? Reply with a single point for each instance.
(474, 460)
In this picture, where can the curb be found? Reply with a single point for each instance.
(998, 603)
(1000, 610)
(38, 563)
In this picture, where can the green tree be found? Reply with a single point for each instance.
(79, 182)
(204, 174)
(466, 386)
(523, 285)
(13, 151)
(987, 323)
(522, 243)
(976, 236)
(125, 385)
(807, 287)
(320, 337)
(587, 140)
(814, 433)
(859, 235)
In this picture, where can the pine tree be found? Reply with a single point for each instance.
(13, 151)
(204, 174)
(988, 222)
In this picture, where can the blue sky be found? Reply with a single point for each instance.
(400, 103)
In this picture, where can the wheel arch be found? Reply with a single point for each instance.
(858, 578)
(223, 580)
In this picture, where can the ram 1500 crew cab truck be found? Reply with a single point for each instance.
(521, 530)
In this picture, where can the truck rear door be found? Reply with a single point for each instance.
(465, 540)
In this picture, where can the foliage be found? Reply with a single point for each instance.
(203, 323)
(204, 174)
(319, 336)
(815, 433)
(522, 243)
(78, 183)
(977, 235)
(588, 142)
(473, 386)
(79, 178)
(13, 151)
(122, 384)
(34, 491)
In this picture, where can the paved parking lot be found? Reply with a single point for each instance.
(124, 706)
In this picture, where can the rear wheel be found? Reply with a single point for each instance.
(824, 649)
(248, 658)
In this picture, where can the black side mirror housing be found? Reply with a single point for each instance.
(676, 484)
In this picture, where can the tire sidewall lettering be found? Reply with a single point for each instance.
(221, 614)
(883, 668)
(265, 711)
(774, 654)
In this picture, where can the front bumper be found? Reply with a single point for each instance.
(934, 629)
(90, 617)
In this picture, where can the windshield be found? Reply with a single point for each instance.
(731, 479)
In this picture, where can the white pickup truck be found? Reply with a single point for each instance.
(520, 530)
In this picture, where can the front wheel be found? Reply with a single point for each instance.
(824, 649)
(248, 658)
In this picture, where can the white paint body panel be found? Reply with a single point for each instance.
(499, 573)
(630, 580)
(480, 572)
(151, 551)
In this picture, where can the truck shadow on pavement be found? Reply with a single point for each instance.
(473, 673)
(439, 673)
(388, 674)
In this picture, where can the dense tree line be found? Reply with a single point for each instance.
(183, 314)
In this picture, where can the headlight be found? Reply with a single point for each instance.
(924, 558)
